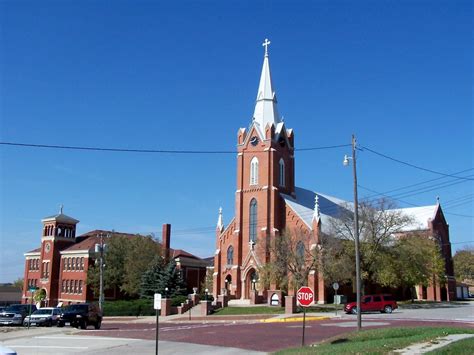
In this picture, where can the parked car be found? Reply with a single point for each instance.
(47, 316)
(15, 314)
(81, 315)
(382, 303)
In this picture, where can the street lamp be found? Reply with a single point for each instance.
(101, 248)
(166, 292)
(253, 283)
(206, 291)
(356, 229)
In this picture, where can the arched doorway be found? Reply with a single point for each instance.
(228, 285)
(250, 282)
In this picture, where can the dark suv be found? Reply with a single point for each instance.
(81, 315)
(382, 303)
(15, 314)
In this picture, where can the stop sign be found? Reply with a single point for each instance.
(305, 296)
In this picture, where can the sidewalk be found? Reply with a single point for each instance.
(422, 348)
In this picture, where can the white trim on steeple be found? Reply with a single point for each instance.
(265, 107)
(316, 213)
(220, 223)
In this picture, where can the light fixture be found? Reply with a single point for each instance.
(345, 162)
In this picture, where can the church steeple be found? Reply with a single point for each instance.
(266, 104)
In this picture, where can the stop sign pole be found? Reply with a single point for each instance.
(305, 298)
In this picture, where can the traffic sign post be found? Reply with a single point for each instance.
(32, 290)
(157, 307)
(335, 286)
(305, 298)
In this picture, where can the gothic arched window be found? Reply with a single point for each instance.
(300, 250)
(253, 221)
(230, 255)
(254, 171)
(282, 172)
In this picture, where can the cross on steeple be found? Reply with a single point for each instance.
(265, 44)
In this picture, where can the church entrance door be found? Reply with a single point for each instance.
(250, 282)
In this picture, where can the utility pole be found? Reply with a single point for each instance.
(356, 230)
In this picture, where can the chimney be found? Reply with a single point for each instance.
(165, 240)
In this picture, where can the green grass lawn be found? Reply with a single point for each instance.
(326, 308)
(249, 310)
(461, 347)
(377, 341)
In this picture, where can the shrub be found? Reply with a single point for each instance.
(177, 300)
(140, 307)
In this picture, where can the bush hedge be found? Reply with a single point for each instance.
(140, 307)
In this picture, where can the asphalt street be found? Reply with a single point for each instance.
(213, 335)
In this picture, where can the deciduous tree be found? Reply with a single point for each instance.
(126, 259)
(464, 264)
(291, 260)
(379, 223)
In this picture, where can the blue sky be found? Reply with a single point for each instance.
(183, 75)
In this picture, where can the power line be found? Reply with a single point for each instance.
(415, 166)
(425, 182)
(155, 151)
(409, 203)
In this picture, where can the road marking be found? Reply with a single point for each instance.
(80, 337)
(456, 320)
(354, 324)
(48, 347)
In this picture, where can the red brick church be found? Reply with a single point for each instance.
(59, 266)
(267, 202)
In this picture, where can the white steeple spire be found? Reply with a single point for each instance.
(316, 213)
(220, 224)
(265, 107)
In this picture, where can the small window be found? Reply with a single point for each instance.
(230, 255)
(253, 221)
(300, 250)
(282, 172)
(367, 299)
(254, 171)
(377, 299)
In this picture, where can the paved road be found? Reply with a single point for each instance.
(224, 337)
(47, 341)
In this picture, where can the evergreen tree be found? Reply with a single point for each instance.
(171, 277)
(151, 279)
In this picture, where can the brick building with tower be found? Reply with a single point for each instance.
(268, 202)
(59, 266)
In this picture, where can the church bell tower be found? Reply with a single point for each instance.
(265, 168)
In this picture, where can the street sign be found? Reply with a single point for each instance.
(157, 303)
(305, 296)
(335, 286)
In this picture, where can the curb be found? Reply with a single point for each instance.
(292, 319)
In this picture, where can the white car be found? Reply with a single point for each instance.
(47, 316)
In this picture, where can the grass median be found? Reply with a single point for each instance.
(228, 311)
(377, 341)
